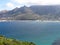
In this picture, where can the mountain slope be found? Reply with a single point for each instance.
(51, 12)
(41, 12)
(45, 10)
(22, 13)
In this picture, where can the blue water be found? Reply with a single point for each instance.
(41, 33)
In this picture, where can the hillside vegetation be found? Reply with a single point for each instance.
(9, 41)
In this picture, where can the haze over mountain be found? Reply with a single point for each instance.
(35, 12)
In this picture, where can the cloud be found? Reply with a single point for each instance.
(37, 2)
(25, 2)
(10, 5)
(21, 1)
(18, 3)
(50, 2)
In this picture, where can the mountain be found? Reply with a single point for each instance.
(35, 12)
(47, 9)
(23, 13)
(51, 12)
(26, 13)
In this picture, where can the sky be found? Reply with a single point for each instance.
(11, 4)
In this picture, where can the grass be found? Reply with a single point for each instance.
(9, 41)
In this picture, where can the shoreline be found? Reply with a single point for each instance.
(31, 20)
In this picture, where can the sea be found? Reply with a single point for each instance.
(41, 33)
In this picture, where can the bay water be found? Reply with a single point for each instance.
(41, 33)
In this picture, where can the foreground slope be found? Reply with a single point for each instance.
(8, 41)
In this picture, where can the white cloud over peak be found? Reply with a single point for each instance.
(37, 2)
(18, 3)
(10, 5)
(26, 2)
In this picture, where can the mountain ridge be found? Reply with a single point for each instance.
(36, 12)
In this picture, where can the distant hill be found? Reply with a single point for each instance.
(35, 12)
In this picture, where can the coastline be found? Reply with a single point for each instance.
(31, 20)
